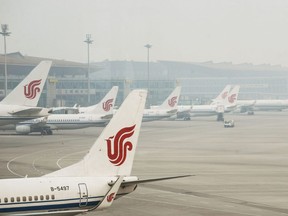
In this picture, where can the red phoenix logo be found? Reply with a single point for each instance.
(224, 95)
(172, 101)
(232, 98)
(110, 197)
(31, 89)
(118, 154)
(107, 105)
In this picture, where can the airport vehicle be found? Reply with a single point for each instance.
(229, 123)
(97, 116)
(21, 103)
(167, 109)
(93, 183)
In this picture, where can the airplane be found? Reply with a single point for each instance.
(184, 110)
(109, 103)
(90, 109)
(250, 106)
(222, 96)
(93, 183)
(219, 107)
(96, 116)
(167, 109)
(21, 103)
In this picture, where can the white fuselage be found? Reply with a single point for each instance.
(157, 114)
(58, 122)
(74, 121)
(52, 194)
(203, 110)
(264, 105)
(267, 105)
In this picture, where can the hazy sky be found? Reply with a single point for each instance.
(238, 31)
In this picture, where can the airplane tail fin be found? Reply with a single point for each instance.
(28, 92)
(171, 101)
(231, 100)
(113, 152)
(223, 94)
(106, 105)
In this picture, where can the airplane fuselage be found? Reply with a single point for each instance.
(74, 121)
(57, 122)
(51, 194)
(157, 114)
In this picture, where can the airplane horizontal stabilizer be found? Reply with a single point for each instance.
(30, 111)
(127, 183)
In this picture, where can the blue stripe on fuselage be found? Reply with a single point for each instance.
(50, 207)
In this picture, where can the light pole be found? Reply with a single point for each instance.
(148, 46)
(88, 41)
(5, 33)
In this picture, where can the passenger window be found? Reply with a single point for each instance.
(24, 198)
(52, 197)
(35, 198)
(12, 199)
(30, 198)
(18, 199)
(6, 200)
(41, 197)
(47, 197)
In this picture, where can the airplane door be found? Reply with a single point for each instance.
(83, 192)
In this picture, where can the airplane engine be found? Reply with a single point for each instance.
(23, 129)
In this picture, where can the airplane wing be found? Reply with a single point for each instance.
(30, 111)
(73, 109)
(133, 182)
(109, 116)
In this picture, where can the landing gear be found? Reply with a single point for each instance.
(46, 131)
(220, 117)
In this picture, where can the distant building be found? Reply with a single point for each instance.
(67, 83)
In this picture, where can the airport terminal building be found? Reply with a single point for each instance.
(67, 83)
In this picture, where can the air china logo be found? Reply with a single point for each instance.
(172, 101)
(31, 89)
(232, 98)
(118, 153)
(110, 197)
(224, 95)
(107, 105)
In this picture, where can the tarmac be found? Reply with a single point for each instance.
(238, 171)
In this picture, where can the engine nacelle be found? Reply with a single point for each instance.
(23, 129)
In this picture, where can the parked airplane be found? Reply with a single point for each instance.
(97, 115)
(102, 176)
(106, 106)
(250, 106)
(21, 103)
(218, 108)
(184, 111)
(90, 109)
(222, 96)
(166, 110)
